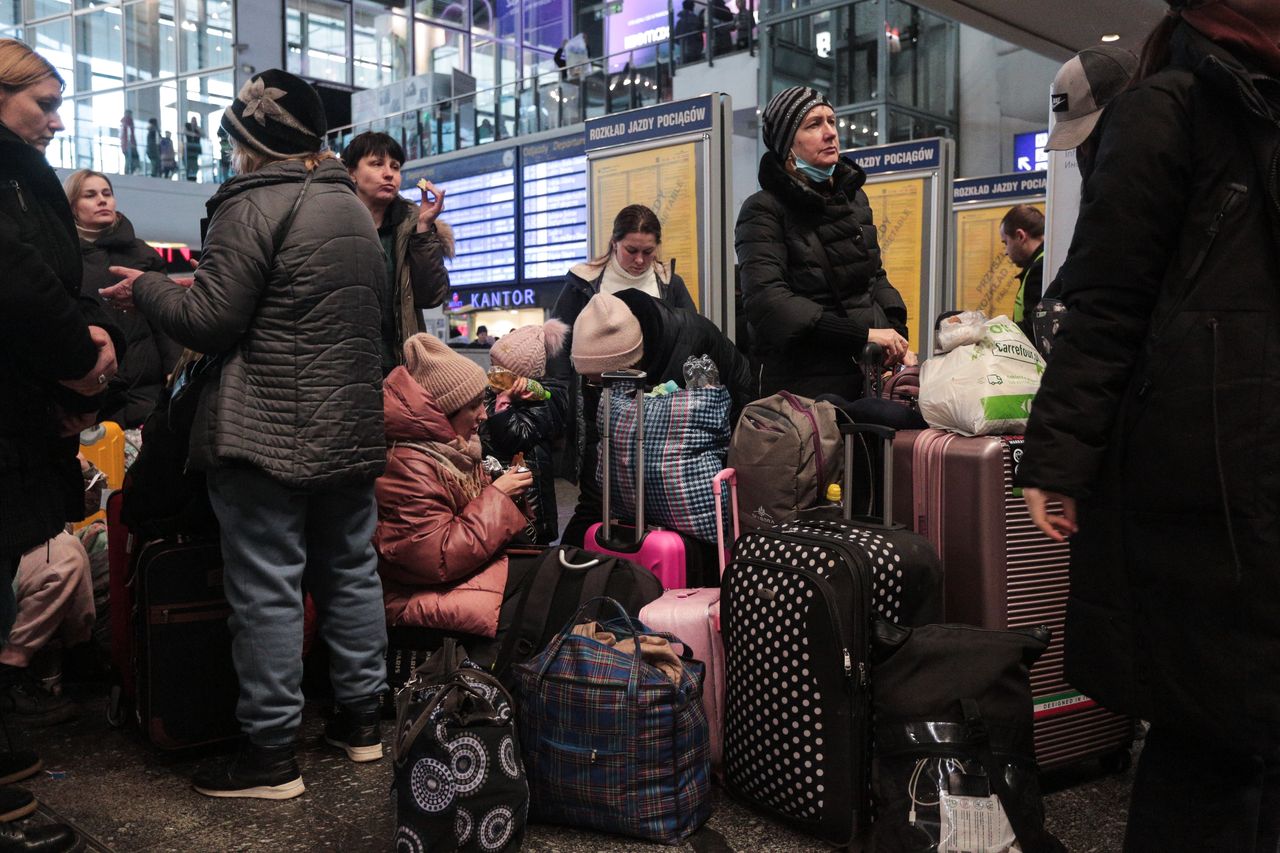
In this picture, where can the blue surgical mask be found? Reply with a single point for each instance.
(815, 173)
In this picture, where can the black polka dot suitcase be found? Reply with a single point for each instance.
(797, 605)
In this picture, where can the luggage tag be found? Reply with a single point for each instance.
(971, 819)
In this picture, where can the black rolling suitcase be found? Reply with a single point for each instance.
(797, 605)
(186, 681)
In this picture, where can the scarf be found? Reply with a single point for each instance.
(615, 278)
(460, 462)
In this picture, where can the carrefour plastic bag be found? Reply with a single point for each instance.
(984, 388)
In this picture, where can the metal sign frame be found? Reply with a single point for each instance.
(1023, 195)
(937, 175)
(715, 291)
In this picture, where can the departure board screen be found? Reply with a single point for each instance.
(480, 205)
(554, 193)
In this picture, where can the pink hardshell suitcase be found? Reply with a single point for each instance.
(660, 551)
(693, 615)
(1002, 572)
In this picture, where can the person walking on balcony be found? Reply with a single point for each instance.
(690, 27)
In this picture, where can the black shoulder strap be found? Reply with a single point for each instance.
(1032, 837)
(821, 253)
(287, 223)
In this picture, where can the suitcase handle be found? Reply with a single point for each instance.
(872, 363)
(717, 486)
(606, 437)
(886, 435)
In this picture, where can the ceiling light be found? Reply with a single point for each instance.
(1110, 37)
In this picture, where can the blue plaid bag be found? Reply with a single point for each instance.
(610, 743)
(686, 441)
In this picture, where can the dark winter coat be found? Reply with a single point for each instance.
(300, 393)
(421, 281)
(1158, 410)
(688, 33)
(44, 338)
(798, 334)
(531, 428)
(582, 283)
(132, 394)
(671, 336)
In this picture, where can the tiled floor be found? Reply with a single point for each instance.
(126, 796)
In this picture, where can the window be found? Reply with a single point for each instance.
(36, 9)
(52, 40)
(99, 64)
(859, 129)
(380, 42)
(206, 34)
(446, 11)
(316, 33)
(437, 49)
(150, 41)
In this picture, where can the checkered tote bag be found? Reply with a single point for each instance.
(610, 742)
(686, 440)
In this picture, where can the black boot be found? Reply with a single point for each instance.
(357, 732)
(261, 772)
(50, 838)
(16, 764)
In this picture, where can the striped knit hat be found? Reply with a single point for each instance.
(277, 114)
(782, 117)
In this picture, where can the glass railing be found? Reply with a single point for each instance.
(102, 153)
(566, 96)
(556, 98)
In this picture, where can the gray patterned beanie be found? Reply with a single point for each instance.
(782, 117)
(277, 114)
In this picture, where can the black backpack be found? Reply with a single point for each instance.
(954, 749)
(544, 593)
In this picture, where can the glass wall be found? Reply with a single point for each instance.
(369, 43)
(890, 68)
(146, 81)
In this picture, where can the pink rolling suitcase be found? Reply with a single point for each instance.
(1001, 573)
(693, 615)
(662, 552)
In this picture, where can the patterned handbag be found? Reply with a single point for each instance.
(459, 783)
(611, 742)
(686, 441)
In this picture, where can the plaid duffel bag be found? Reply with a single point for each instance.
(686, 440)
(611, 741)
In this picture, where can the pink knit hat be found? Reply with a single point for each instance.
(453, 380)
(525, 351)
(606, 336)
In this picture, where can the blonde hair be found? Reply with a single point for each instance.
(20, 66)
(245, 159)
(73, 186)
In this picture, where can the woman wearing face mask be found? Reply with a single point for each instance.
(56, 358)
(1156, 429)
(813, 285)
(631, 262)
(107, 240)
(415, 241)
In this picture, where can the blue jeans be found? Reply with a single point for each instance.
(275, 539)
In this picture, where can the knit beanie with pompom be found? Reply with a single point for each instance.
(525, 351)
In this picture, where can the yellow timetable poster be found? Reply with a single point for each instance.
(897, 208)
(666, 180)
(986, 280)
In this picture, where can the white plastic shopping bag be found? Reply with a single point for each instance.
(984, 388)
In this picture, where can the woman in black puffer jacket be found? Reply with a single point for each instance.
(812, 281)
(57, 350)
(107, 240)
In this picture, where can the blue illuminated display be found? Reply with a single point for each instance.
(554, 206)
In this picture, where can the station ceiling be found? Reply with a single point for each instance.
(1056, 28)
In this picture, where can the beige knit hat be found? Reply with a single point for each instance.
(606, 336)
(453, 380)
(525, 350)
